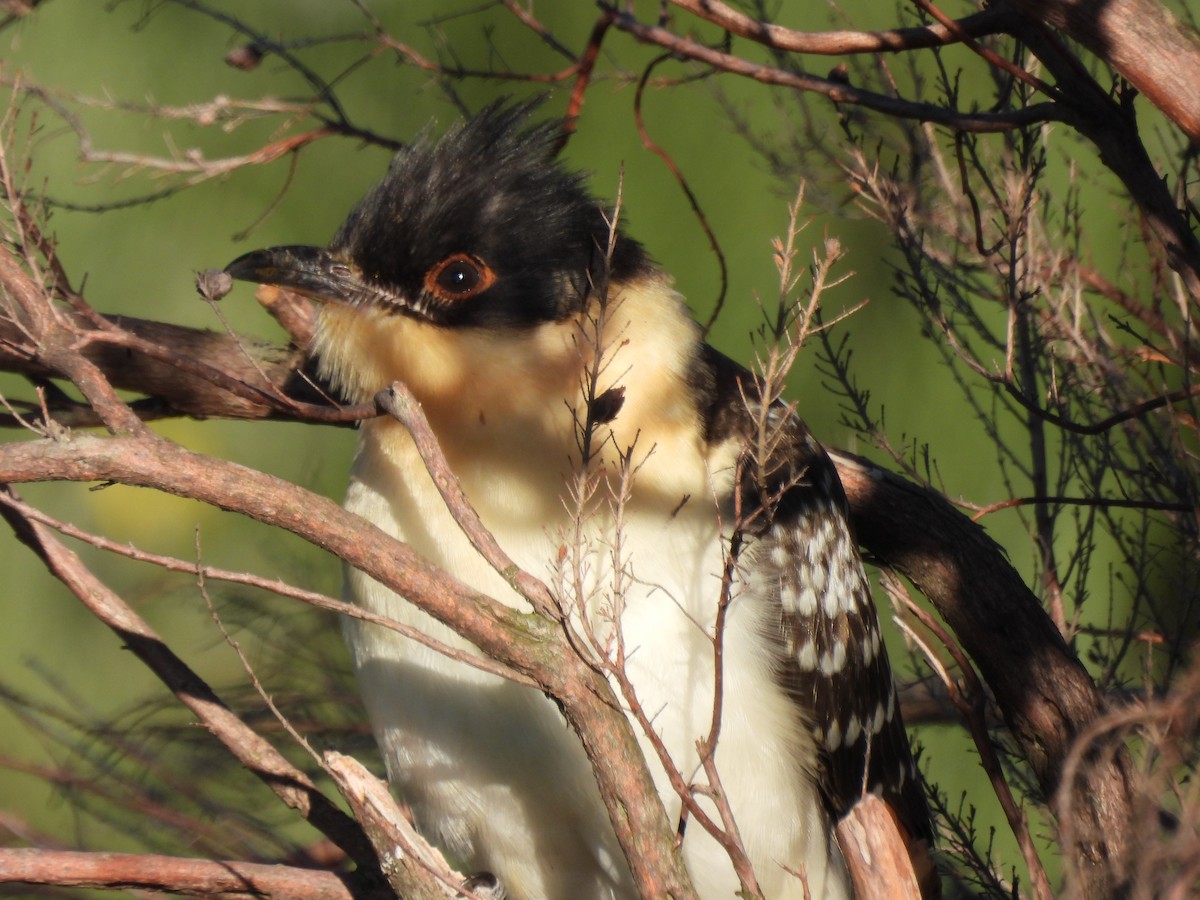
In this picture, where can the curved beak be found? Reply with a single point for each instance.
(311, 271)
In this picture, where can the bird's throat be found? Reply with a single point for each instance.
(490, 393)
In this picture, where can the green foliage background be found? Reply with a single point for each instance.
(140, 260)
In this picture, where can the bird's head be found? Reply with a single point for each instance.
(468, 271)
(480, 235)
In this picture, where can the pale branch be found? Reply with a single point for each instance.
(837, 43)
(178, 876)
(529, 643)
(876, 855)
(414, 869)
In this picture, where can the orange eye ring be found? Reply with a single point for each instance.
(458, 277)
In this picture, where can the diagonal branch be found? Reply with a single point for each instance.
(253, 751)
(531, 644)
(1046, 695)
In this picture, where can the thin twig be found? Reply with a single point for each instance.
(398, 401)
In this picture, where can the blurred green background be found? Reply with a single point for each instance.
(108, 62)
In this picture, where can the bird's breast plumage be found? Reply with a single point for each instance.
(654, 583)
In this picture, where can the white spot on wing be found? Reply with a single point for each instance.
(833, 739)
(834, 660)
(867, 649)
(806, 657)
(806, 604)
(853, 730)
(830, 603)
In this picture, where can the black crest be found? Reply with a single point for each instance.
(489, 203)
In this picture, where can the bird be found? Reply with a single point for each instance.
(613, 452)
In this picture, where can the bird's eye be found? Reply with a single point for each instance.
(458, 277)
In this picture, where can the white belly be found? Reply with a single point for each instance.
(491, 770)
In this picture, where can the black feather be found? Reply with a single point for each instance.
(796, 510)
(490, 188)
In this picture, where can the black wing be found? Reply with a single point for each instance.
(801, 549)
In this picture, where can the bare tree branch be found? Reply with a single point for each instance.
(840, 43)
(1046, 696)
(254, 752)
(190, 877)
(1140, 39)
(833, 88)
(530, 644)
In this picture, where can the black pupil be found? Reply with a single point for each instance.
(459, 277)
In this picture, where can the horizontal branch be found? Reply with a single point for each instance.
(836, 90)
(839, 43)
(171, 874)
